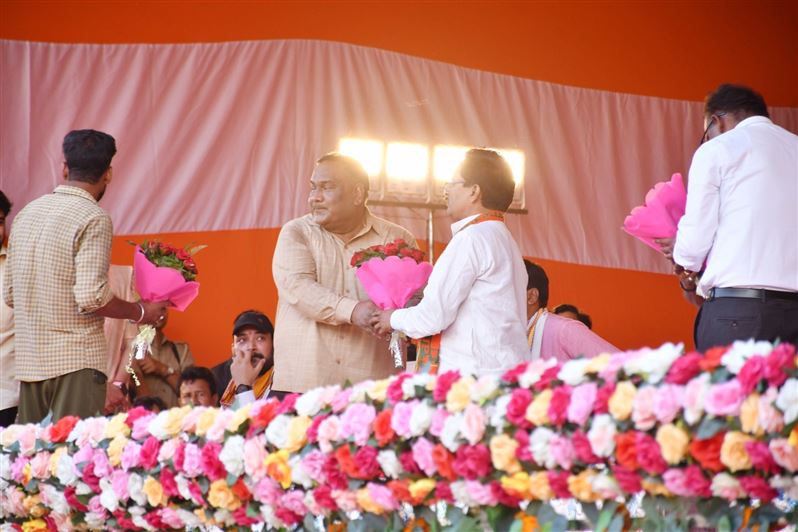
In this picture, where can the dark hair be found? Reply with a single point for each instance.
(491, 172)
(354, 169)
(88, 154)
(585, 318)
(537, 278)
(737, 100)
(566, 307)
(150, 402)
(5, 204)
(198, 373)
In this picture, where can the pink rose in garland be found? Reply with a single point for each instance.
(391, 274)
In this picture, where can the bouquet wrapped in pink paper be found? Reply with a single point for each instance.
(162, 273)
(659, 216)
(165, 273)
(391, 274)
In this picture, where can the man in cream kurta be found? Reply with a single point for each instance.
(321, 333)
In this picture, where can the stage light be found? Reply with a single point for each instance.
(368, 152)
(515, 158)
(405, 161)
(445, 161)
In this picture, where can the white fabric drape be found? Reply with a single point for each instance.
(224, 136)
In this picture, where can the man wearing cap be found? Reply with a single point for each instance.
(247, 376)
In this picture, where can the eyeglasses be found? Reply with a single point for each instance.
(450, 184)
(712, 119)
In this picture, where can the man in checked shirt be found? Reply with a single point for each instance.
(57, 282)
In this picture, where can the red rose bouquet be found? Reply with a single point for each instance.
(162, 273)
(391, 274)
(397, 248)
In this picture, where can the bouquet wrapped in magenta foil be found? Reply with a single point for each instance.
(390, 275)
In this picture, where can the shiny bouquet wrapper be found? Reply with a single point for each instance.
(659, 216)
(390, 283)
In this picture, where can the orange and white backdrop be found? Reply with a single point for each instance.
(217, 141)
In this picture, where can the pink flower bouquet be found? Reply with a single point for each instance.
(659, 216)
(162, 273)
(391, 274)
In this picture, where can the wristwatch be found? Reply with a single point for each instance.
(170, 371)
(241, 388)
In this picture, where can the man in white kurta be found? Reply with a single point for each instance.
(476, 295)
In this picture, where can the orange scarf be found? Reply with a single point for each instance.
(531, 335)
(428, 349)
(262, 383)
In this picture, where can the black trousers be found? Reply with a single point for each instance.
(723, 320)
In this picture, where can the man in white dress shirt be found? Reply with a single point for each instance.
(740, 228)
(476, 295)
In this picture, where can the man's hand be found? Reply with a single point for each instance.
(115, 400)
(153, 312)
(381, 323)
(150, 366)
(361, 314)
(666, 246)
(242, 370)
(687, 280)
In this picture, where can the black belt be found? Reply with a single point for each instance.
(752, 293)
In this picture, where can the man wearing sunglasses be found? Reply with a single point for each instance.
(740, 228)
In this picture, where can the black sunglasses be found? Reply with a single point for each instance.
(711, 121)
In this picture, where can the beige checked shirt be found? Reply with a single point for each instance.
(315, 343)
(57, 276)
(9, 386)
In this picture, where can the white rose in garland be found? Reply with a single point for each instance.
(277, 431)
(310, 402)
(740, 351)
(655, 363)
(539, 445)
(602, 435)
(787, 401)
(389, 463)
(232, 455)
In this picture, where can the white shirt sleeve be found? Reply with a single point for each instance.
(449, 285)
(699, 224)
(243, 398)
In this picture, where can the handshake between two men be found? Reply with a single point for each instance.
(368, 316)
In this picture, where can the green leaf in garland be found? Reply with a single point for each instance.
(720, 375)
(591, 512)
(254, 513)
(616, 525)
(605, 517)
(709, 427)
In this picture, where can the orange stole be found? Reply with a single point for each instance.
(428, 349)
(262, 383)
